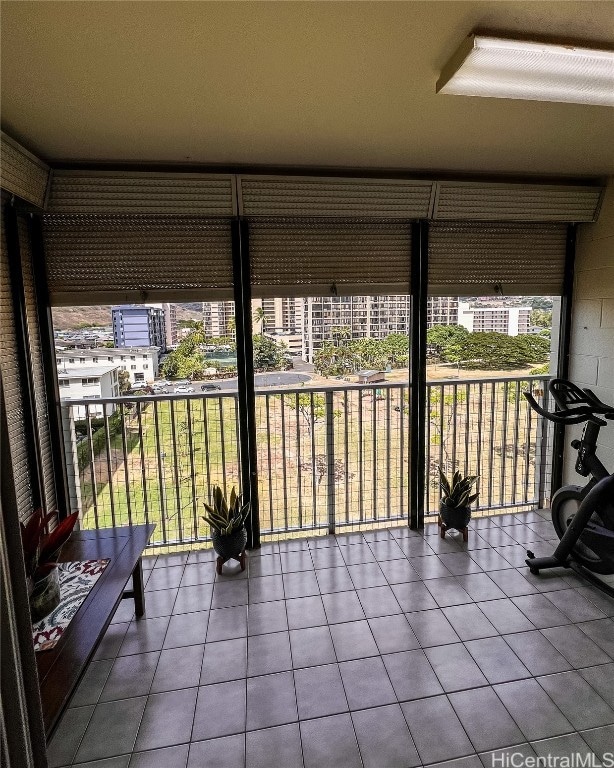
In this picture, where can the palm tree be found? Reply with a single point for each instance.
(260, 317)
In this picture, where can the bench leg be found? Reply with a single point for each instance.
(138, 588)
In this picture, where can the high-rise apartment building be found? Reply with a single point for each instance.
(511, 321)
(218, 318)
(316, 319)
(137, 325)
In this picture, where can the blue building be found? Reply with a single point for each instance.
(135, 325)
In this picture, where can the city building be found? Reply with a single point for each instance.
(170, 323)
(218, 318)
(89, 383)
(441, 310)
(140, 362)
(137, 325)
(511, 321)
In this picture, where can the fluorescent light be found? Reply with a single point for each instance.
(519, 69)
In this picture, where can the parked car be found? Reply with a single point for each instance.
(183, 390)
(209, 387)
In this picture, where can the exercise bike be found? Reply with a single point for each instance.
(583, 517)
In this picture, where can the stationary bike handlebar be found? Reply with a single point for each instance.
(587, 406)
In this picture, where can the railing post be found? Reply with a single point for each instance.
(330, 460)
(72, 459)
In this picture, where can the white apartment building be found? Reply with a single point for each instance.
(89, 383)
(140, 362)
(218, 318)
(511, 321)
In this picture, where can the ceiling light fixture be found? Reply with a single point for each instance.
(503, 68)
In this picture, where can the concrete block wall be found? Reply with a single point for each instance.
(592, 340)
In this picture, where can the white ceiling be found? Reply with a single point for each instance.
(279, 83)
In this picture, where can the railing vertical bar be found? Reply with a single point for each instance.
(479, 438)
(267, 409)
(299, 475)
(330, 461)
(346, 454)
(161, 478)
(312, 431)
(374, 433)
(388, 452)
(107, 435)
(443, 464)
(223, 444)
(454, 420)
(139, 416)
(504, 440)
(237, 438)
(90, 438)
(401, 413)
(543, 452)
(284, 468)
(176, 474)
(192, 467)
(207, 447)
(122, 411)
(527, 449)
(361, 508)
(467, 429)
(493, 401)
(515, 441)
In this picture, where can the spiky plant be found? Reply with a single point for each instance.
(457, 492)
(225, 516)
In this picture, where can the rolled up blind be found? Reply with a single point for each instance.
(334, 197)
(36, 362)
(103, 259)
(12, 387)
(481, 259)
(484, 201)
(121, 192)
(21, 173)
(311, 257)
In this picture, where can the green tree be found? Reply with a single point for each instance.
(495, 351)
(269, 355)
(447, 341)
(311, 407)
(123, 378)
(260, 318)
(340, 333)
(541, 318)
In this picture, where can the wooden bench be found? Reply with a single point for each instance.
(61, 668)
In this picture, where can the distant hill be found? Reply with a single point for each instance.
(68, 318)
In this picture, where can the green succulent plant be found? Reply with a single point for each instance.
(457, 492)
(225, 516)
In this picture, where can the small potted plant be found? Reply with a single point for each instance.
(456, 500)
(40, 551)
(227, 521)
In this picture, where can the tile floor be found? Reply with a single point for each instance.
(382, 649)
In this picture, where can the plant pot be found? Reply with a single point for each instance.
(231, 545)
(455, 517)
(45, 596)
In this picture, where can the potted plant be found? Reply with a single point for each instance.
(40, 551)
(227, 521)
(456, 500)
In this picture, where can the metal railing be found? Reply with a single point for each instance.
(328, 458)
